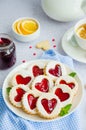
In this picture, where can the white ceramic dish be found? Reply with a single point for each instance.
(21, 113)
(26, 38)
(71, 47)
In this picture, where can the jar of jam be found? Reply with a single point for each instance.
(7, 51)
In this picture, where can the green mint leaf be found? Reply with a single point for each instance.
(8, 90)
(65, 110)
(72, 74)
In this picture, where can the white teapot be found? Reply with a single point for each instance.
(64, 10)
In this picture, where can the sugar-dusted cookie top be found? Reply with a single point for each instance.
(69, 81)
(55, 69)
(16, 93)
(36, 69)
(42, 84)
(22, 77)
(64, 93)
(29, 102)
(48, 105)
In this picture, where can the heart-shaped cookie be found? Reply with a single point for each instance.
(20, 93)
(29, 101)
(69, 81)
(45, 45)
(71, 85)
(43, 86)
(56, 71)
(62, 95)
(37, 71)
(49, 105)
(22, 80)
(32, 101)
(16, 93)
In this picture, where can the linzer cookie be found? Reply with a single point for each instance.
(16, 93)
(29, 102)
(48, 106)
(36, 69)
(21, 77)
(42, 84)
(69, 81)
(64, 93)
(55, 69)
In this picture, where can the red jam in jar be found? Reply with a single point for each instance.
(7, 52)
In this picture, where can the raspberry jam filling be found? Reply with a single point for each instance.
(71, 85)
(62, 96)
(56, 71)
(32, 101)
(49, 105)
(22, 80)
(43, 86)
(37, 71)
(19, 95)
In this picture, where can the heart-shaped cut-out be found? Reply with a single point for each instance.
(56, 71)
(71, 85)
(37, 71)
(32, 101)
(62, 96)
(19, 95)
(43, 86)
(49, 105)
(23, 80)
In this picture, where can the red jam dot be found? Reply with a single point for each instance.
(19, 95)
(34, 54)
(22, 80)
(62, 96)
(23, 61)
(32, 101)
(37, 71)
(56, 71)
(54, 46)
(49, 105)
(30, 47)
(43, 86)
(71, 85)
(53, 39)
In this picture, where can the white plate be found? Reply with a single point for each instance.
(71, 47)
(20, 112)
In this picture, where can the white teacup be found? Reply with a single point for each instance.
(80, 32)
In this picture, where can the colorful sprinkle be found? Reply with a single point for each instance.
(23, 61)
(30, 47)
(34, 54)
(53, 39)
(54, 46)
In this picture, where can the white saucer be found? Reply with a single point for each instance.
(71, 47)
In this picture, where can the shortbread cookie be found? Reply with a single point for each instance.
(69, 81)
(36, 69)
(29, 102)
(21, 77)
(48, 106)
(45, 45)
(64, 93)
(16, 94)
(42, 84)
(55, 69)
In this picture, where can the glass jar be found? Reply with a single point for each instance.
(7, 51)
